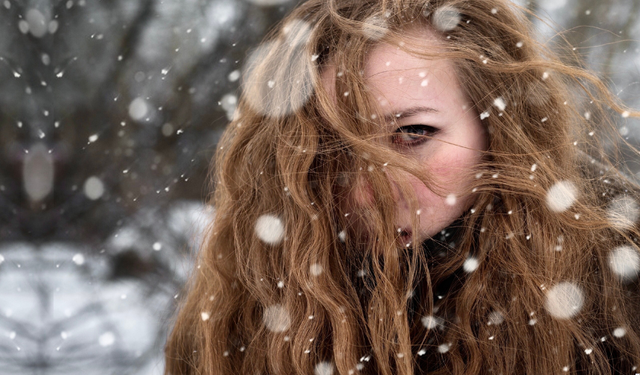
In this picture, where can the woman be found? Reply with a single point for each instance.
(410, 187)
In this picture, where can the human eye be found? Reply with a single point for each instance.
(413, 135)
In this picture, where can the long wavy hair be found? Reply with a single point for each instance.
(539, 275)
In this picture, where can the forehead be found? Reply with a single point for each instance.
(390, 58)
(399, 80)
(396, 77)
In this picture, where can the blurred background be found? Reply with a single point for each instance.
(110, 111)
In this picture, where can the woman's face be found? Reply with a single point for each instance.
(426, 98)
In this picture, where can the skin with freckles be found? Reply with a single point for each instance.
(425, 98)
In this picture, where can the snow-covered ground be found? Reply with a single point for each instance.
(64, 311)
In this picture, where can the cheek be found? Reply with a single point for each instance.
(453, 166)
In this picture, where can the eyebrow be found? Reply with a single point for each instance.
(408, 112)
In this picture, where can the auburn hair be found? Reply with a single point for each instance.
(317, 293)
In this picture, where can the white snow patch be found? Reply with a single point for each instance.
(316, 269)
(375, 27)
(561, 196)
(38, 172)
(500, 103)
(446, 18)
(623, 212)
(323, 368)
(275, 87)
(470, 265)
(495, 318)
(624, 131)
(552, 4)
(276, 318)
(431, 322)
(342, 236)
(619, 332)
(270, 229)
(564, 300)
(450, 200)
(138, 108)
(107, 339)
(625, 262)
(78, 259)
(93, 188)
(229, 103)
(37, 23)
(234, 76)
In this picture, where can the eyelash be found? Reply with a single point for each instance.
(418, 132)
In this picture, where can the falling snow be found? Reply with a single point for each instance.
(500, 103)
(561, 196)
(38, 173)
(450, 199)
(623, 212)
(323, 368)
(625, 262)
(78, 259)
(564, 300)
(375, 27)
(495, 318)
(270, 229)
(619, 332)
(446, 18)
(431, 322)
(276, 318)
(316, 269)
(107, 339)
(470, 264)
(280, 95)
(342, 236)
(138, 109)
(234, 76)
(93, 188)
(552, 4)
(36, 23)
